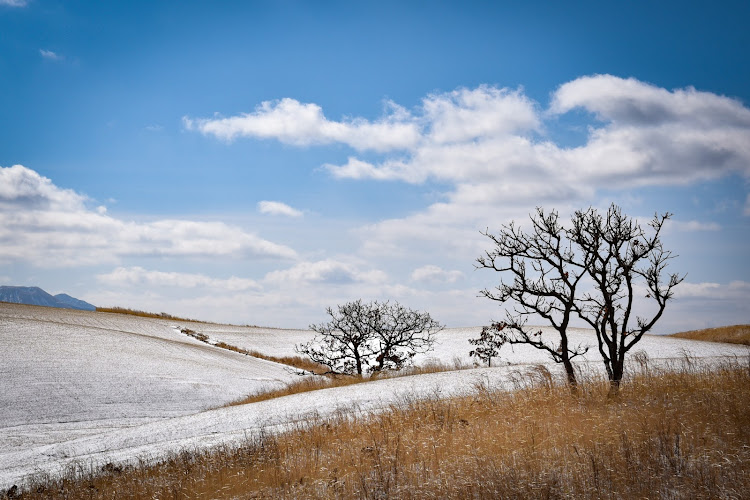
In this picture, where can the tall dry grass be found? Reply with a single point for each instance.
(679, 435)
(737, 334)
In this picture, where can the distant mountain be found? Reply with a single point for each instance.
(74, 303)
(35, 296)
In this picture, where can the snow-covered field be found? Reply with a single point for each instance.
(87, 388)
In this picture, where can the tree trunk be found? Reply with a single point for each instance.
(570, 372)
(615, 378)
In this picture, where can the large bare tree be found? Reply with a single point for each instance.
(622, 260)
(592, 271)
(540, 275)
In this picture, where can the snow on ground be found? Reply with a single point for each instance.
(87, 388)
(452, 344)
(69, 373)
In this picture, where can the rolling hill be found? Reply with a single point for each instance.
(79, 387)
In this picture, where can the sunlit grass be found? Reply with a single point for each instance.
(682, 434)
(142, 314)
(737, 334)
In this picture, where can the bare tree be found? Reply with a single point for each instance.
(543, 278)
(400, 334)
(592, 271)
(344, 344)
(371, 336)
(622, 260)
(488, 343)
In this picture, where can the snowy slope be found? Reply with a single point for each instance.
(68, 372)
(91, 387)
(453, 344)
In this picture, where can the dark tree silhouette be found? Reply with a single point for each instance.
(488, 343)
(344, 344)
(371, 336)
(591, 271)
(543, 276)
(400, 334)
(621, 260)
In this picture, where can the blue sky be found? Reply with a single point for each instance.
(256, 162)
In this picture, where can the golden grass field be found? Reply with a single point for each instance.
(737, 334)
(680, 435)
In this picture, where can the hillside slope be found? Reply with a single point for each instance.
(736, 334)
(69, 373)
(88, 388)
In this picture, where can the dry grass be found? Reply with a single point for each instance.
(299, 362)
(737, 334)
(308, 384)
(677, 435)
(142, 314)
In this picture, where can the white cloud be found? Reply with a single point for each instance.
(278, 208)
(327, 271)
(714, 291)
(435, 275)
(692, 226)
(52, 56)
(47, 226)
(488, 146)
(138, 276)
(14, 3)
(27, 189)
(302, 124)
(746, 210)
(488, 143)
(465, 114)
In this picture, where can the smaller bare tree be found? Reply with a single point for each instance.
(371, 337)
(488, 343)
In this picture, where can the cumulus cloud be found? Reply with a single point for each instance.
(278, 208)
(302, 124)
(435, 275)
(488, 144)
(138, 276)
(49, 226)
(490, 150)
(469, 114)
